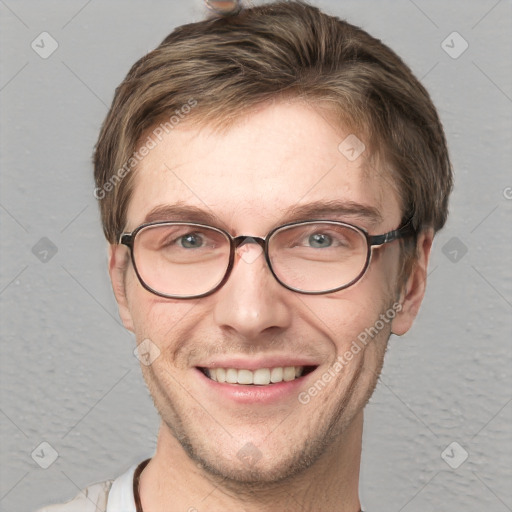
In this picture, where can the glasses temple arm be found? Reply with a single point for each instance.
(126, 239)
(406, 230)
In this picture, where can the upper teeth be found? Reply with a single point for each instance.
(261, 376)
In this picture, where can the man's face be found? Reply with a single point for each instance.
(252, 178)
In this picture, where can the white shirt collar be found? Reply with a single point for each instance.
(120, 497)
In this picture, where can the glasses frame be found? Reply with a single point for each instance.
(404, 230)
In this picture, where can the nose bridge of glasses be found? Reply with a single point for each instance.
(241, 240)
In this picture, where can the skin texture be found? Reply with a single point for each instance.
(249, 177)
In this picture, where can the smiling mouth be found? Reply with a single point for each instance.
(259, 377)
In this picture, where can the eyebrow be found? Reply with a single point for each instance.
(335, 210)
(181, 212)
(317, 210)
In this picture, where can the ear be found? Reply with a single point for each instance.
(118, 261)
(414, 290)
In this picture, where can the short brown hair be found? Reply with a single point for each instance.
(223, 67)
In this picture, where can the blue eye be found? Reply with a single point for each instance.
(320, 240)
(191, 241)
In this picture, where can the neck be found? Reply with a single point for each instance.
(174, 481)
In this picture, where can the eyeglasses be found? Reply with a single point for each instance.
(185, 260)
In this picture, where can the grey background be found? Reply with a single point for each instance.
(68, 374)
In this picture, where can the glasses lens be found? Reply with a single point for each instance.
(181, 260)
(318, 257)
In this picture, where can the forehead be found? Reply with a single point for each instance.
(274, 162)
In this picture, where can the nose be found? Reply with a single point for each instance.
(252, 303)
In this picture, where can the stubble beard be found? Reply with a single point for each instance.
(296, 459)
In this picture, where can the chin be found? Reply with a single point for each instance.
(264, 471)
(274, 462)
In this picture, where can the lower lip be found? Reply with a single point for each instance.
(252, 394)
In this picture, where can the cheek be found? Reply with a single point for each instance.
(385, 269)
(347, 318)
(154, 317)
(347, 315)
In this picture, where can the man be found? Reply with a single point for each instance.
(270, 182)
